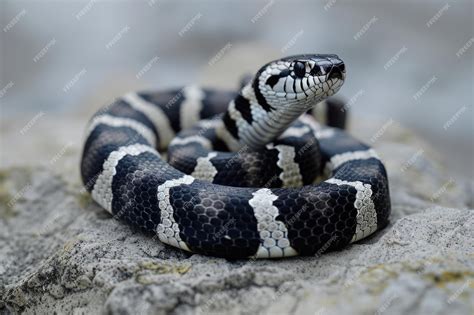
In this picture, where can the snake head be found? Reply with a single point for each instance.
(303, 79)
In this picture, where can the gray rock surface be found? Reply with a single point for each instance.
(60, 253)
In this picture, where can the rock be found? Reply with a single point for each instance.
(61, 253)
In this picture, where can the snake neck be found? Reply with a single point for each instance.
(251, 122)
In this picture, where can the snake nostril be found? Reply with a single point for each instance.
(335, 73)
(341, 66)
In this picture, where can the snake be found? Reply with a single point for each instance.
(239, 174)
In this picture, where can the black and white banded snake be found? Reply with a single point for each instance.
(241, 166)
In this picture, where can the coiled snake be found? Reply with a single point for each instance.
(241, 166)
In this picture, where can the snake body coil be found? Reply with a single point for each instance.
(261, 212)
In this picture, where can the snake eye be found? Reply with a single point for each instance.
(299, 69)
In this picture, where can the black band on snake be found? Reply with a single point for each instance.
(239, 181)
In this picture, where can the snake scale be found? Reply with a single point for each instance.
(240, 175)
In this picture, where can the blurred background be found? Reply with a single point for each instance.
(408, 64)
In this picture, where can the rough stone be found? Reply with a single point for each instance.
(60, 253)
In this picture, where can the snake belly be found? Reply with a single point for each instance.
(194, 210)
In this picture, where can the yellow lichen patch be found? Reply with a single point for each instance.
(449, 276)
(69, 245)
(14, 183)
(159, 268)
(419, 266)
(377, 277)
(144, 277)
(18, 297)
(403, 135)
(3, 176)
(84, 199)
(6, 209)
